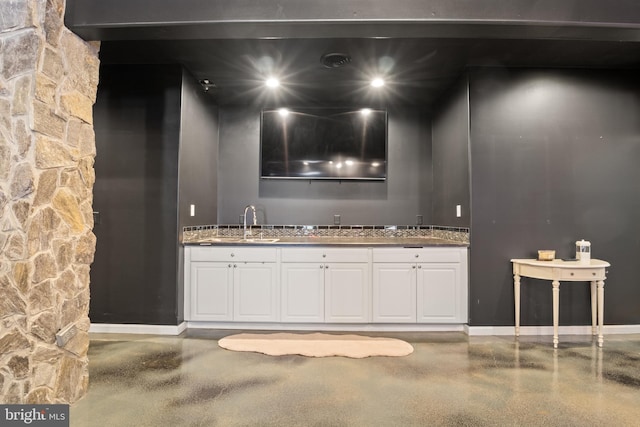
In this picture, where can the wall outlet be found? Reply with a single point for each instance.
(64, 335)
(192, 210)
(458, 211)
(419, 219)
(336, 220)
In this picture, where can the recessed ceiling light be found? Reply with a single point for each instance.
(272, 82)
(283, 112)
(365, 111)
(377, 82)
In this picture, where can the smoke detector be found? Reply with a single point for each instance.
(207, 84)
(335, 60)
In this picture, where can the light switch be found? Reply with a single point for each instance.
(192, 210)
(458, 211)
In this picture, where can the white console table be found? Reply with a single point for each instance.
(568, 271)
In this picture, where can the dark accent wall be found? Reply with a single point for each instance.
(554, 159)
(405, 194)
(198, 155)
(198, 167)
(450, 130)
(137, 124)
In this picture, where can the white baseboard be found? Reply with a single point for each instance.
(366, 327)
(548, 330)
(113, 328)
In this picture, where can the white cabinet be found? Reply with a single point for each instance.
(211, 291)
(440, 294)
(394, 292)
(321, 284)
(255, 292)
(232, 284)
(302, 292)
(424, 285)
(325, 285)
(346, 287)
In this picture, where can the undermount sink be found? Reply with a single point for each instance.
(219, 239)
(236, 240)
(258, 240)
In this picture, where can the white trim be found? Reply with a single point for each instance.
(621, 329)
(113, 328)
(548, 330)
(364, 327)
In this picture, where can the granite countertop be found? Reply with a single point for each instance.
(329, 241)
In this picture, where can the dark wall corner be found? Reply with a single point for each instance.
(451, 176)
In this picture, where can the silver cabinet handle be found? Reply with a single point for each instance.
(419, 266)
(413, 266)
(417, 255)
(232, 254)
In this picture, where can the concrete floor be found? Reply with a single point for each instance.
(449, 380)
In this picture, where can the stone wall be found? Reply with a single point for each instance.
(48, 82)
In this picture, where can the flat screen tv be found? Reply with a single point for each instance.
(324, 143)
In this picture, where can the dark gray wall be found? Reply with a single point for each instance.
(450, 130)
(197, 167)
(405, 194)
(554, 159)
(137, 124)
(198, 155)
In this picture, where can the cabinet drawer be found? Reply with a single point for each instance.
(233, 253)
(324, 255)
(417, 255)
(586, 274)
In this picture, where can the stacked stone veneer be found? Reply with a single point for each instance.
(48, 82)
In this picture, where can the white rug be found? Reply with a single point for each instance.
(316, 345)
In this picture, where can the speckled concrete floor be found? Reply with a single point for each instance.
(449, 380)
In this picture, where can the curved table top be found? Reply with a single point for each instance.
(593, 263)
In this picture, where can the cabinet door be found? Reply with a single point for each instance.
(394, 292)
(255, 292)
(347, 295)
(439, 296)
(211, 291)
(302, 292)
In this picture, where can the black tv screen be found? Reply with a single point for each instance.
(324, 144)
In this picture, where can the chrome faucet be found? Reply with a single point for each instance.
(255, 220)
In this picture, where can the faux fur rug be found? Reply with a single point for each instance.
(316, 345)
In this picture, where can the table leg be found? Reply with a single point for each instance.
(516, 294)
(556, 309)
(594, 308)
(600, 312)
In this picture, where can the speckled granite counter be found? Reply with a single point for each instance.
(403, 236)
